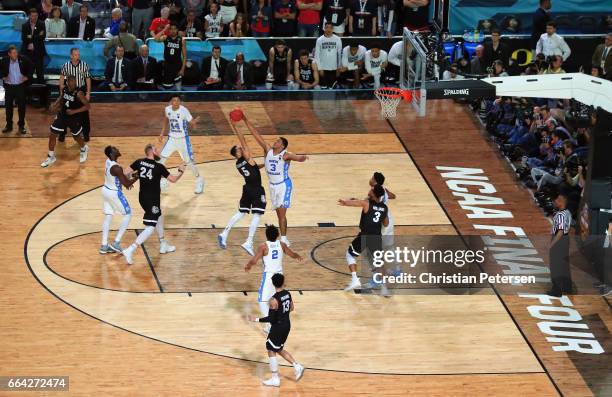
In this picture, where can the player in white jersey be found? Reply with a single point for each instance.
(178, 119)
(114, 201)
(277, 161)
(271, 252)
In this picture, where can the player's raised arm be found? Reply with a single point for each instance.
(264, 145)
(246, 152)
(117, 171)
(289, 252)
(391, 195)
(261, 252)
(175, 178)
(353, 202)
(295, 157)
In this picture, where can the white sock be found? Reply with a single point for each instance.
(142, 237)
(160, 228)
(253, 227)
(237, 216)
(194, 169)
(106, 228)
(354, 276)
(51, 153)
(264, 307)
(274, 366)
(123, 227)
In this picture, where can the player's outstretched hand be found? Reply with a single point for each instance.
(251, 318)
(298, 257)
(341, 202)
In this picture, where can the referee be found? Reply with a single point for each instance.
(559, 249)
(80, 70)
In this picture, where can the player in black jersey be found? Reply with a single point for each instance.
(70, 107)
(253, 194)
(281, 304)
(175, 58)
(305, 72)
(374, 215)
(279, 63)
(149, 172)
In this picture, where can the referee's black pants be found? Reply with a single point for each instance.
(559, 266)
(15, 93)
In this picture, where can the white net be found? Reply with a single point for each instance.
(389, 100)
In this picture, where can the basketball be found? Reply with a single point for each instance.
(236, 115)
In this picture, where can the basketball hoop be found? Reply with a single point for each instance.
(389, 98)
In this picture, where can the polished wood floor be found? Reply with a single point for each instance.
(173, 324)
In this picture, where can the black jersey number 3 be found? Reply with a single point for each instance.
(376, 217)
(146, 173)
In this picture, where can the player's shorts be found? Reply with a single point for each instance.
(280, 194)
(62, 122)
(361, 243)
(152, 211)
(388, 233)
(181, 145)
(170, 73)
(277, 337)
(253, 200)
(114, 202)
(266, 288)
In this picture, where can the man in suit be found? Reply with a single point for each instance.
(213, 70)
(540, 18)
(495, 49)
(117, 71)
(144, 70)
(602, 57)
(70, 10)
(33, 36)
(82, 26)
(15, 71)
(239, 74)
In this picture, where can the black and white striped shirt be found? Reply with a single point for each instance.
(80, 71)
(562, 220)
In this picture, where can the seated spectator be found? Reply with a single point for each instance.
(387, 18)
(336, 12)
(551, 43)
(197, 6)
(55, 26)
(497, 69)
(285, 13)
(125, 40)
(239, 74)
(117, 72)
(496, 49)
(540, 61)
(531, 69)
(478, 64)
(353, 60)
(213, 70)
(309, 17)
(213, 23)
(463, 66)
(597, 72)
(280, 61)
(82, 26)
(362, 18)
(305, 72)
(159, 26)
(113, 29)
(70, 9)
(191, 26)
(415, 14)
(602, 57)
(452, 73)
(554, 66)
(44, 9)
(238, 27)
(375, 65)
(144, 71)
(261, 18)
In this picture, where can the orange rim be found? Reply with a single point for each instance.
(393, 93)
